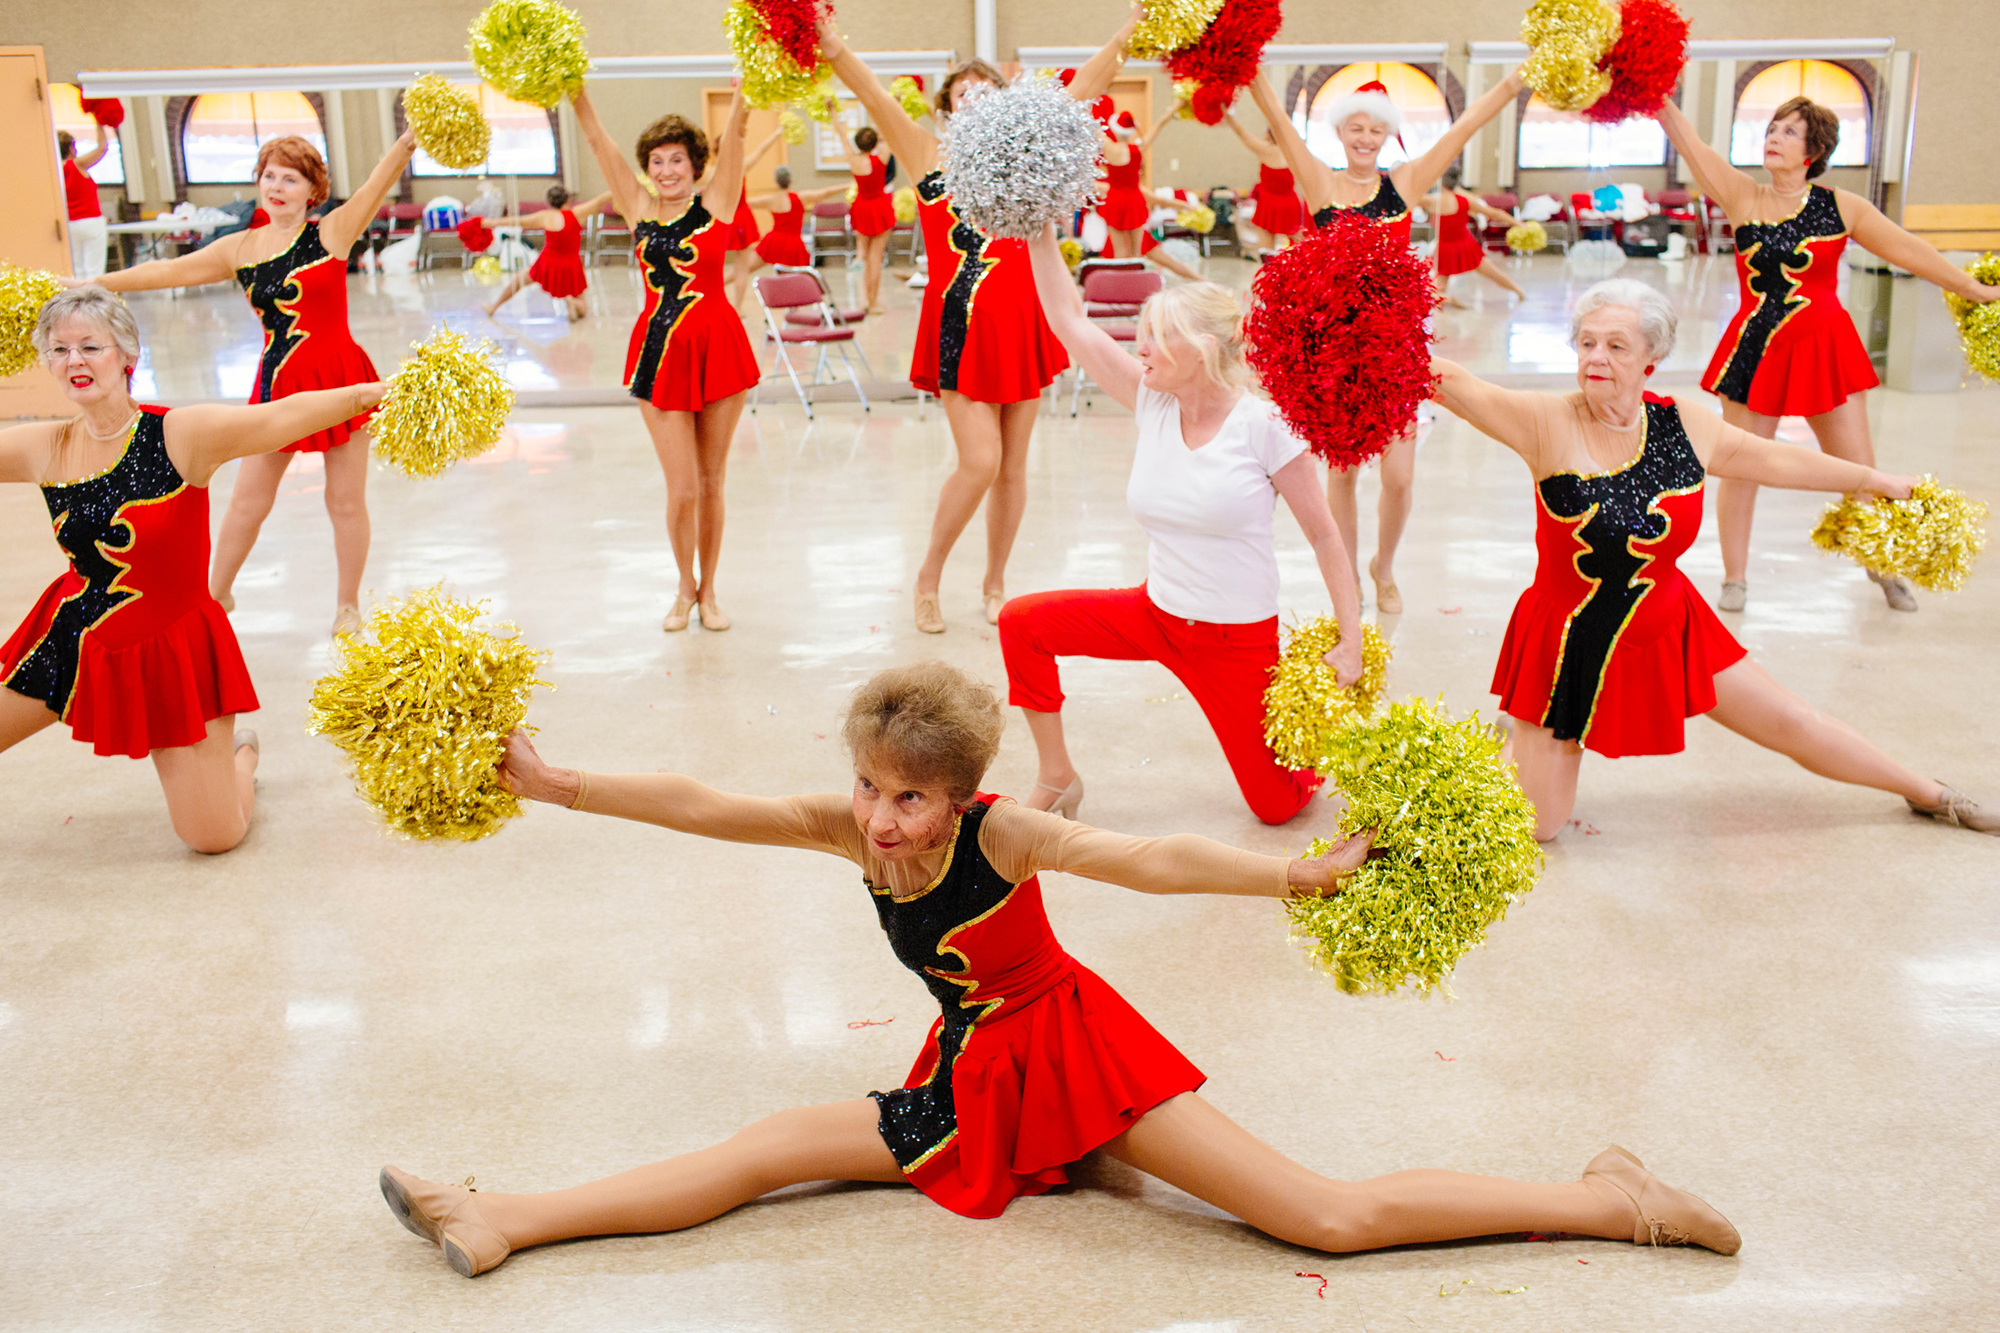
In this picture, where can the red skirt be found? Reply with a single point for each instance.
(559, 275)
(707, 359)
(1279, 214)
(743, 230)
(323, 362)
(872, 217)
(1810, 365)
(1125, 209)
(784, 247)
(1037, 1089)
(1459, 254)
(1650, 687)
(154, 694)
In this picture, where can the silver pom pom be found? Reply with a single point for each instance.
(1020, 157)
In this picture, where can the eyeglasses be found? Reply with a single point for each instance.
(88, 351)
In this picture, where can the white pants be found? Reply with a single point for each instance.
(87, 239)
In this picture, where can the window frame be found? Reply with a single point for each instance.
(1306, 83)
(180, 110)
(1861, 72)
(82, 141)
(1527, 95)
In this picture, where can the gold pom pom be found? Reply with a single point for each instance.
(424, 711)
(1527, 238)
(448, 401)
(486, 269)
(1170, 26)
(1931, 539)
(770, 76)
(23, 293)
(1567, 38)
(1304, 706)
(905, 202)
(530, 50)
(1199, 218)
(1454, 847)
(793, 127)
(447, 123)
(1184, 98)
(1072, 252)
(904, 89)
(1979, 323)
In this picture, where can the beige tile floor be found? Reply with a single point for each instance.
(1784, 994)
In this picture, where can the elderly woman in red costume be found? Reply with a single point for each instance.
(873, 212)
(558, 269)
(1279, 214)
(1458, 249)
(1034, 1061)
(785, 243)
(1365, 120)
(1792, 350)
(982, 345)
(294, 270)
(128, 648)
(1611, 649)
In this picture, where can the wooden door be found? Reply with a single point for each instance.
(762, 177)
(34, 227)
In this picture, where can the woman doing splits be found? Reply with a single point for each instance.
(1125, 208)
(689, 361)
(1364, 119)
(294, 270)
(1035, 1061)
(1791, 349)
(1611, 648)
(558, 269)
(1279, 213)
(873, 212)
(1211, 463)
(1458, 250)
(982, 345)
(128, 647)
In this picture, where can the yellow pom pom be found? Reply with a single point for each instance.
(487, 269)
(1454, 847)
(853, 193)
(447, 402)
(1305, 707)
(1527, 238)
(530, 50)
(1200, 218)
(1184, 98)
(793, 126)
(1979, 323)
(1931, 539)
(423, 712)
(23, 293)
(904, 89)
(1170, 26)
(770, 76)
(905, 201)
(1567, 38)
(1072, 252)
(447, 123)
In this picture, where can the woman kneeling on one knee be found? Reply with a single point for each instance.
(1211, 461)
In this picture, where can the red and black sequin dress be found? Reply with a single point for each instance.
(1791, 349)
(1036, 1060)
(981, 331)
(689, 348)
(127, 647)
(1611, 646)
(300, 294)
(1385, 206)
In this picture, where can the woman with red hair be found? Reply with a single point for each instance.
(293, 269)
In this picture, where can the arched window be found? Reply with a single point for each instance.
(66, 101)
(1425, 115)
(221, 133)
(1552, 138)
(1824, 82)
(524, 139)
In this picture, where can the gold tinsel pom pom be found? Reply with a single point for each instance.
(486, 269)
(1527, 238)
(447, 122)
(1931, 539)
(446, 403)
(23, 293)
(904, 89)
(1184, 98)
(1072, 252)
(770, 76)
(1454, 847)
(1979, 324)
(792, 126)
(1566, 39)
(1304, 706)
(530, 50)
(1170, 26)
(1199, 218)
(423, 713)
(905, 203)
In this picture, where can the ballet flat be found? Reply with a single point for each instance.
(1896, 591)
(245, 736)
(346, 620)
(1955, 807)
(677, 619)
(448, 1217)
(1665, 1215)
(1388, 600)
(1067, 798)
(930, 618)
(227, 602)
(1735, 593)
(712, 617)
(993, 601)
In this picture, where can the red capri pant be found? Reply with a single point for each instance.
(1225, 667)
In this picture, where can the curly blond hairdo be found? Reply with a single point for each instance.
(931, 722)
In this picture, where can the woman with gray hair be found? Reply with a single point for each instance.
(1611, 649)
(128, 647)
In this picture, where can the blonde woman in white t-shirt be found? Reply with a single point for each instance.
(1211, 462)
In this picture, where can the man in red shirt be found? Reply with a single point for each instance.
(87, 234)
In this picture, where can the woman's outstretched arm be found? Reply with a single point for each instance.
(1418, 176)
(1728, 451)
(1094, 76)
(203, 436)
(911, 142)
(339, 229)
(1313, 177)
(1511, 416)
(1298, 482)
(1872, 228)
(1114, 369)
(623, 187)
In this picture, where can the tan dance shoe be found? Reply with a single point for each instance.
(677, 619)
(245, 736)
(1896, 591)
(712, 617)
(993, 601)
(1665, 1215)
(1388, 600)
(347, 620)
(1735, 592)
(227, 601)
(1067, 798)
(448, 1217)
(1955, 807)
(930, 617)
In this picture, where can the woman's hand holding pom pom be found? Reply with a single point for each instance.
(1345, 659)
(522, 772)
(1312, 876)
(1887, 486)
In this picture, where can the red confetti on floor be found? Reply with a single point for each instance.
(1449, 610)
(1589, 830)
(1448, 1059)
(872, 1023)
(1322, 1283)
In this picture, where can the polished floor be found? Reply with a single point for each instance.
(1783, 994)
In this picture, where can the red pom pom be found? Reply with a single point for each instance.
(1211, 103)
(1230, 51)
(1645, 64)
(474, 234)
(1336, 333)
(1103, 108)
(259, 218)
(106, 111)
(794, 26)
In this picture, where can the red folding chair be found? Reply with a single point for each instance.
(1110, 309)
(831, 233)
(1493, 235)
(784, 291)
(1112, 298)
(1679, 209)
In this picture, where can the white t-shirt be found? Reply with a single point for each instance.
(1208, 510)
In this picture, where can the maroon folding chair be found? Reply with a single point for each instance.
(780, 293)
(1112, 298)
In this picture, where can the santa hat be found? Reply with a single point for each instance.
(1372, 100)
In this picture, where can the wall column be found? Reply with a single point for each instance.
(336, 144)
(1476, 77)
(155, 111)
(385, 112)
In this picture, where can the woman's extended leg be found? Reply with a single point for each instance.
(873, 248)
(509, 292)
(1007, 500)
(210, 787)
(1547, 769)
(1493, 273)
(1751, 703)
(347, 505)
(675, 444)
(250, 500)
(1736, 507)
(715, 431)
(1392, 514)
(1844, 433)
(976, 432)
(21, 717)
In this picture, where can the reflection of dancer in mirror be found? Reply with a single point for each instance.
(88, 232)
(743, 230)
(1792, 350)
(873, 212)
(293, 269)
(1125, 207)
(558, 269)
(1612, 648)
(1365, 119)
(689, 361)
(1035, 1061)
(785, 243)
(1279, 214)
(1458, 249)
